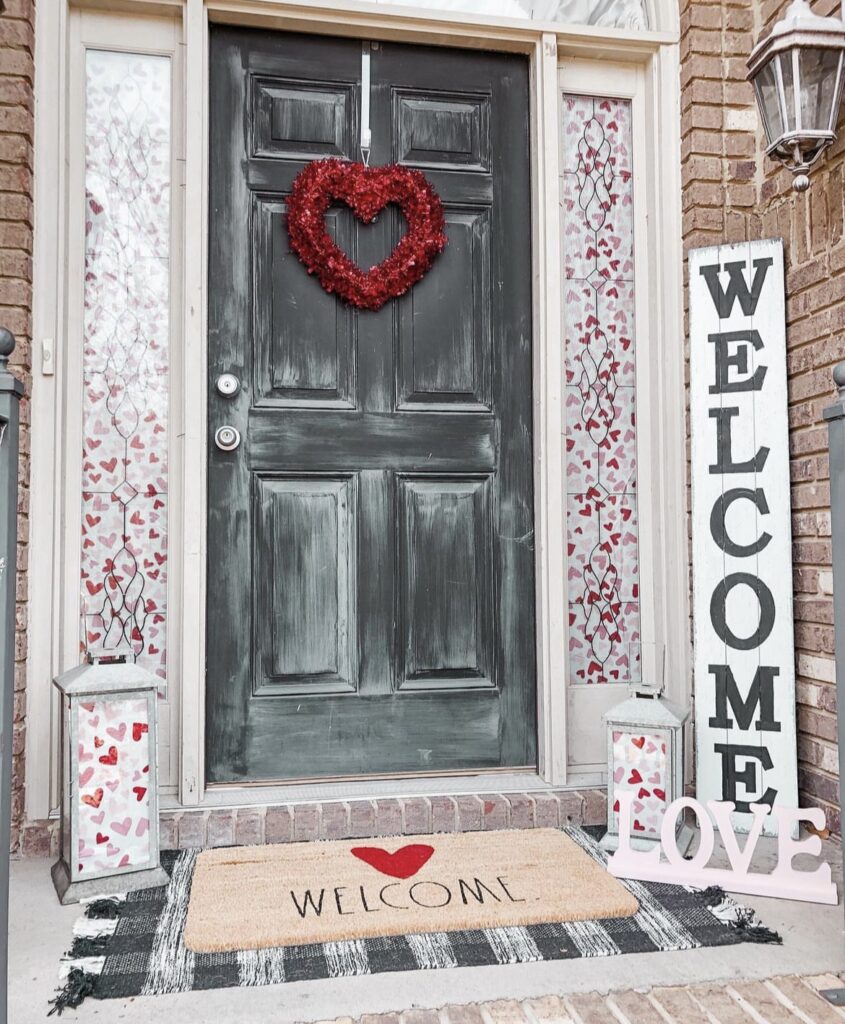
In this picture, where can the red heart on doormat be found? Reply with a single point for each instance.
(366, 191)
(406, 861)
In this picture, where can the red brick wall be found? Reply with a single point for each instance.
(16, 136)
(732, 192)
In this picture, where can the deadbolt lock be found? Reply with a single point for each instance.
(227, 438)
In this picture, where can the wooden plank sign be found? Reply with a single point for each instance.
(741, 530)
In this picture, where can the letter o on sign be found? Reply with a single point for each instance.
(718, 603)
(668, 834)
(413, 892)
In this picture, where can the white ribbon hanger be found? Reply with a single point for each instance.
(366, 134)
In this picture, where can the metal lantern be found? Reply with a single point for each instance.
(797, 75)
(645, 756)
(109, 785)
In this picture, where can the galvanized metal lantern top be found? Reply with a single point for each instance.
(797, 73)
(647, 712)
(105, 672)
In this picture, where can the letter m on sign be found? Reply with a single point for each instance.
(744, 669)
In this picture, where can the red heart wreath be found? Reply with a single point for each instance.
(366, 191)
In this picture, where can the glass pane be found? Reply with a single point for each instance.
(788, 80)
(599, 357)
(768, 96)
(117, 731)
(606, 13)
(818, 81)
(126, 353)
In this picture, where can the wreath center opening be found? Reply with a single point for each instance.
(373, 246)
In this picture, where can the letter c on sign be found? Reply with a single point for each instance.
(387, 903)
(718, 527)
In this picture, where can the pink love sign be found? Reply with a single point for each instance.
(784, 882)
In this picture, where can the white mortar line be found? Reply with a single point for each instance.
(703, 1008)
(661, 1009)
(743, 1004)
(784, 1000)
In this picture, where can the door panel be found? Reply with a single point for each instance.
(444, 349)
(304, 342)
(445, 578)
(305, 586)
(299, 120)
(444, 131)
(370, 572)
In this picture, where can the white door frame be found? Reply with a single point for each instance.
(55, 486)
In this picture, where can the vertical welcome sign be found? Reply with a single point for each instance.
(741, 528)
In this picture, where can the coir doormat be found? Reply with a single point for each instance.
(255, 897)
(135, 945)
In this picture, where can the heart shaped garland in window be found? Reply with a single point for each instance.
(366, 191)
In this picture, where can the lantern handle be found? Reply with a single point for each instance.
(123, 654)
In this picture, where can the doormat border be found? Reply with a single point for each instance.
(131, 945)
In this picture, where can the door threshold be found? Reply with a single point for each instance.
(232, 796)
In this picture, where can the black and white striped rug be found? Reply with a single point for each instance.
(132, 945)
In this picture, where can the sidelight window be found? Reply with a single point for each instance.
(126, 329)
(600, 450)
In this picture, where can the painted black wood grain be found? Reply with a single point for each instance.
(370, 570)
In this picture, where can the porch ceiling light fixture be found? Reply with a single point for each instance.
(797, 71)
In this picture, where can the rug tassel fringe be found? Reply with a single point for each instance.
(89, 945)
(84, 963)
(104, 907)
(752, 930)
(84, 928)
(77, 986)
(712, 896)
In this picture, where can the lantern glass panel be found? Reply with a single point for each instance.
(642, 767)
(768, 96)
(113, 813)
(788, 79)
(819, 72)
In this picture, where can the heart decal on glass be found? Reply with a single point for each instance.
(366, 191)
(402, 863)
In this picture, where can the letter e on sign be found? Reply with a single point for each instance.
(741, 530)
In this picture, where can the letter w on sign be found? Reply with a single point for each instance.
(742, 557)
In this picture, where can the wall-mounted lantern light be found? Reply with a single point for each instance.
(797, 75)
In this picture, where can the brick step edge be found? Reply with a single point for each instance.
(354, 819)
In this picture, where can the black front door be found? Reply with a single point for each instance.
(370, 541)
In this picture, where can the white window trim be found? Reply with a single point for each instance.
(659, 362)
(56, 441)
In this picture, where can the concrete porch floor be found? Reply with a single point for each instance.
(813, 944)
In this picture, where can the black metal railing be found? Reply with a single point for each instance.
(11, 390)
(835, 416)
